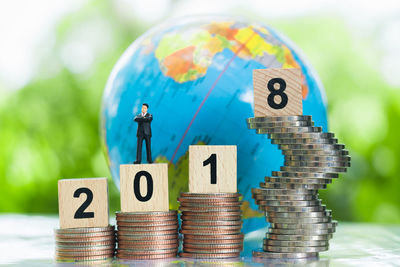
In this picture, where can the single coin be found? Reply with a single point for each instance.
(301, 135)
(274, 255)
(209, 209)
(146, 257)
(238, 237)
(141, 238)
(85, 253)
(146, 252)
(319, 158)
(85, 235)
(289, 130)
(301, 231)
(86, 240)
(210, 228)
(305, 226)
(146, 214)
(227, 219)
(210, 195)
(292, 186)
(84, 230)
(209, 232)
(293, 209)
(268, 191)
(143, 247)
(212, 223)
(299, 220)
(298, 180)
(138, 243)
(284, 197)
(85, 258)
(141, 233)
(312, 152)
(207, 242)
(305, 174)
(208, 200)
(299, 214)
(279, 118)
(84, 249)
(259, 125)
(211, 205)
(212, 213)
(148, 228)
(313, 169)
(212, 250)
(84, 244)
(208, 255)
(149, 220)
(149, 224)
(298, 203)
(304, 141)
(295, 249)
(317, 163)
(281, 243)
(212, 246)
(298, 237)
(312, 147)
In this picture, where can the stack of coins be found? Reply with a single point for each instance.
(211, 225)
(300, 227)
(147, 235)
(85, 244)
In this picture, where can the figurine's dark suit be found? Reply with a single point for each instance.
(143, 132)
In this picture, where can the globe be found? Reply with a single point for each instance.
(196, 75)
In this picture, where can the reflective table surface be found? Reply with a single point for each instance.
(28, 240)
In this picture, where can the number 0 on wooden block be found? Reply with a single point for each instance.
(212, 169)
(277, 92)
(83, 202)
(144, 187)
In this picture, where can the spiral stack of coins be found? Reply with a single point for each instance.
(211, 225)
(85, 244)
(147, 235)
(300, 227)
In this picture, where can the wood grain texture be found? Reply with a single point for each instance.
(199, 175)
(68, 204)
(292, 77)
(159, 199)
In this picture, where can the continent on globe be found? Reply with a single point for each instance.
(197, 74)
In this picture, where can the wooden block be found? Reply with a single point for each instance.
(277, 92)
(83, 202)
(144, 187)
(212, 169)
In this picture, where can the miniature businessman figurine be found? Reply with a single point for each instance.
(143, 132)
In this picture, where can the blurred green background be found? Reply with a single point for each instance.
(51, 84)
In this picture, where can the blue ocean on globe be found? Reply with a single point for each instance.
(196, 75)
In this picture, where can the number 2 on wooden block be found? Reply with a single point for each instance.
(212, 169)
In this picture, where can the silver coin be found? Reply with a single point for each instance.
(305, 226)
(279, 118)
(315, 152)
(298, 237)
(298, 203)
(289, 130)
(317, 163)
(319, 158)
(299, 220)
(292, 186)
(300, 135)
(305, 174)
(284, 243)
(259, 125)
(312, 147)
(295, 249)
(267, 191)
(273, 255)
(284, 197)
(305, 141)
(304, 232)
(293, 209)
(298, 180)
(313, 169)
(299, 214)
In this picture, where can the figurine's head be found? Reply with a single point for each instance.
(144, 107)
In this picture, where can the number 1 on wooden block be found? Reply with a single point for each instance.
(83, 202)
(277, 92)
(212, 169)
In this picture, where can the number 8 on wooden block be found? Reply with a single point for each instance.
(212, 169)
(83, 202)
(144, 187)
(277, 92)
